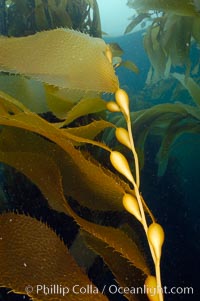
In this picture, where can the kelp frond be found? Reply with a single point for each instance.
(169, 35)
(168, 121)
(67, 59)
(58, 169)
(179, 7)
(22, 18)
(46, 256)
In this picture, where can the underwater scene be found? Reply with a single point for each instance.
(99, 150)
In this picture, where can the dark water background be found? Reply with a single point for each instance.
(175, 197)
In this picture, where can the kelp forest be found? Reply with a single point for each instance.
(93, 205)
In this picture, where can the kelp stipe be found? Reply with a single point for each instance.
(134, 204)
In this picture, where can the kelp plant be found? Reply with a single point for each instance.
(172, 27)
(167, 40)
(25, 17)
(167, 121)
(51, 156)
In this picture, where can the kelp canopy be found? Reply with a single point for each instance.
(173, 26)
(179, 7)
(21, 17)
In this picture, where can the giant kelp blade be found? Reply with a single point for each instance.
(116, 49)
(145, 121)
(84, 107)
(143, 124)
(192, 87)
(116, 239)
(51, 170)
(195, 29)
(177, 49)
(64, 58)
(124, 272)
(60, 101)
(83, 179)
(35, 165)
(155, 52)
(180, 7)
(86, 133)
(80, 176)
(91, 130)
(136, 20)
(9, 105)
(26, 148)
(33, 256)
(167, 120)
(130, 66)
(28, 91)
(57, 10)
(176, 128)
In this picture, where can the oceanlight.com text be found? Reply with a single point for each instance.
(113, 289)
(58, 289)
